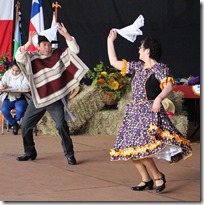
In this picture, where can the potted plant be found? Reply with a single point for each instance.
(110, 82)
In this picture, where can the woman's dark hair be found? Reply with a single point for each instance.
(14, 63)
(154, 46)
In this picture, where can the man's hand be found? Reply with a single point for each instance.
(31, 34)
(63, 31)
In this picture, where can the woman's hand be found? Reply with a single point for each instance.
(2, 87)
(112, 35)
(156, 105)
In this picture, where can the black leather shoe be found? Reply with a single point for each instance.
(15, 128)
(27, 156)
(71, 160)
(163, 186)
(148, 185)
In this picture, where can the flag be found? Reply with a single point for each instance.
(53, 24)
(36, 19)
(50, 34)
(17, 35)
(6, 25)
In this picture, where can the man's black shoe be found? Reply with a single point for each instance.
(26, 157)
(29, 154)
(71, 160)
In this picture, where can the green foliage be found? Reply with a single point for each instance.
(5, 64)
(106, 78)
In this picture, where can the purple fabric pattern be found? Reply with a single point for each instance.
(144, 133)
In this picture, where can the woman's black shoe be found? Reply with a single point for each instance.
(163, 186)
(148, 185)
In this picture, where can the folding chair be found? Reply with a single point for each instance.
(35, 130)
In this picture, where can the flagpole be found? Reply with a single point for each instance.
(18, 5)
(17, 37)
(56, 6)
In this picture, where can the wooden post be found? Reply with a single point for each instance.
(18, 5)
(56, 6)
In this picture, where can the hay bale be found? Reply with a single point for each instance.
(47, 125)
(177, 99)
(107, 122)
(83, 106)
(104, 122)
(124, 101)
(91, 119)
(181, 123)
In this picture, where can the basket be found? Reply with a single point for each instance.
(107, 97)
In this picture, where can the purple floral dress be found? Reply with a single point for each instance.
(144, 133)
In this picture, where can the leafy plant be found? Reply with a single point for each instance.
(5, 64)
(106, 78)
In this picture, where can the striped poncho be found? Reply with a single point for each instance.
(51, 77)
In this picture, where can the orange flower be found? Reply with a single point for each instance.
(122, 79)
(100, 80)
(111, 80)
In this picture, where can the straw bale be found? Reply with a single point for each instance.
(47, 125)
(105, 122)
(181, 123)
(124, 101)
(177, 99)
(91, 119)
(108, 122)
(83, 106)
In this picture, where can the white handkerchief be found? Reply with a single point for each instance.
(50, 34)
(132, 31)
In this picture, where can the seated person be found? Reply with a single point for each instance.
(14, 79)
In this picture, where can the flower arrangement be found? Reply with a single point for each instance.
(109, 79)
(5, 64)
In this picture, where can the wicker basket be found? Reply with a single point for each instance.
(107, 97)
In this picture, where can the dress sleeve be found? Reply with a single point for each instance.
(163, 74)
(129, 67)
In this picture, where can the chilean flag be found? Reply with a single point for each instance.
(36, 19)
(6, 25)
